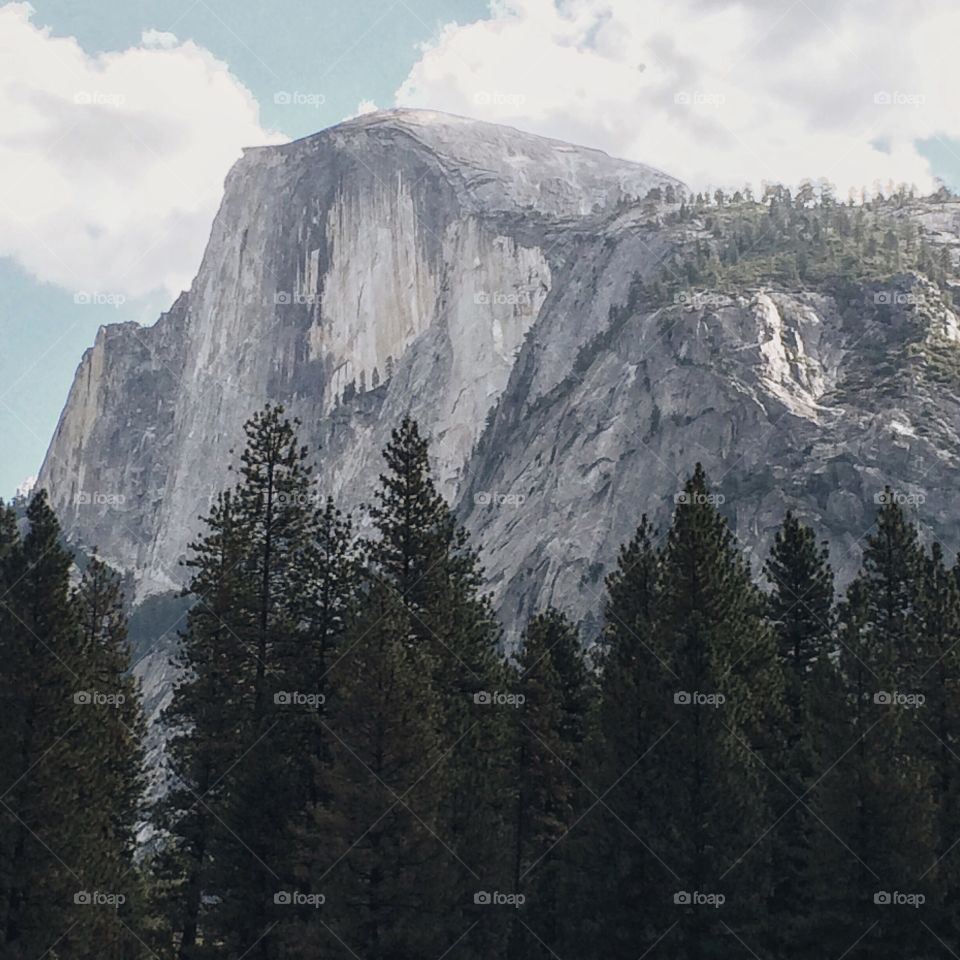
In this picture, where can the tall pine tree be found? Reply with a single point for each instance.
(549, 725)
(382, 865)
(800, 608)
(873, 796)
(425, 558)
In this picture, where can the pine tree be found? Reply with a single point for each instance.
(109, 773)
(242, 784)
(70, 761)
(330, 602)
(620, 900)
(939, 746)
(272, 582)
(874, 794)
(276, 514)
(800, 608)
(202, 723)
(39, 712)
(382, 861)
(549, 721)
(718, 698)
(425, 558)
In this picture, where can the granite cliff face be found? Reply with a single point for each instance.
(482, 280)
(401, 258)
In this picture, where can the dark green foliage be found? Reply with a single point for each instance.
(873, 796)
(236, 722)
(939, 613)
(382, 861)
(622, 893)
(424, 557)
(800, 609)
(355, 769)
(70, 760)
(712, 640)
(689, 689)
(809, 239)
(549, 717)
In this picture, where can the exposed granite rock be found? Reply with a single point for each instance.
(479, 279)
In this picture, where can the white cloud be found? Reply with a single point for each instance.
(713, 91)
(25, 487)
(112, 165)
(363, 107)
(159, 38)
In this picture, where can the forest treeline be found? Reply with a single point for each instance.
(356, 768)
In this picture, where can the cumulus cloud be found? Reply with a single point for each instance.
(112, 165)
(715, 92)
(363, 107)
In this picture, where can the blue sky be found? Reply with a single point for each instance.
(113, 146)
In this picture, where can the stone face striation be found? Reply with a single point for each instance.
(479, 279)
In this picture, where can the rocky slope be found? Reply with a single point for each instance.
(484, 281)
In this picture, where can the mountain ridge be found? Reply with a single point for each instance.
(551, 333)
